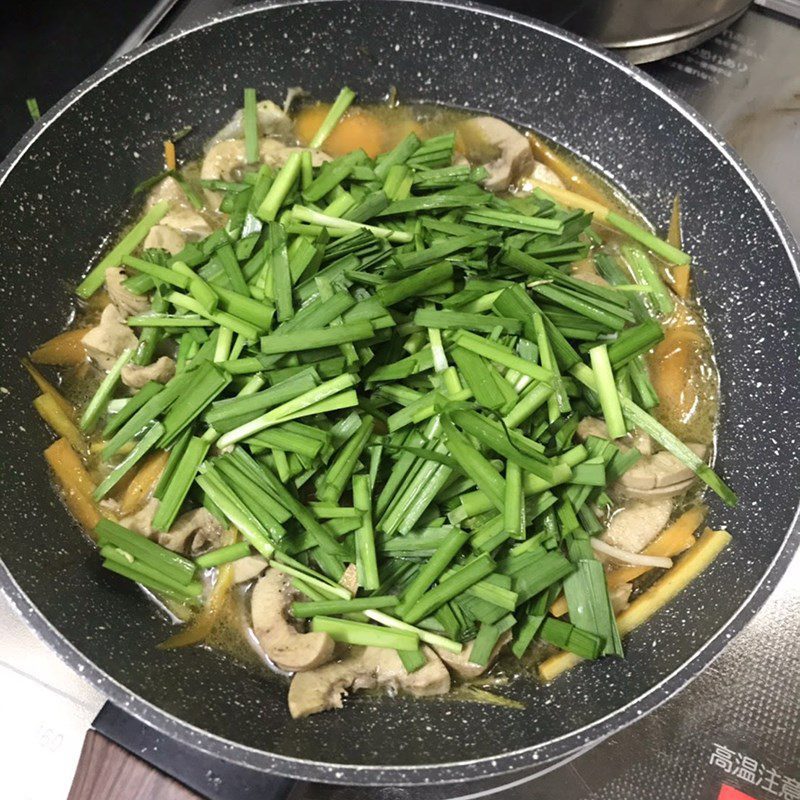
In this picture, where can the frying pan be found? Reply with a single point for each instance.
(64, 193)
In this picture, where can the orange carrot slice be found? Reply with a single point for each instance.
(64, 350)
(143, 483)
(75, 481)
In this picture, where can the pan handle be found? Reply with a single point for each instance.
(106, 770)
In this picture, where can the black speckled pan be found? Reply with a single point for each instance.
(64, 192)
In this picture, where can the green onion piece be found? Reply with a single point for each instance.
(279, 343)
(360, 633)
(425, 636)
(474, 464)
(607, 391)
(286, 410)
(412, 659)
(451, 587)
(281, 276)
(223, 555)
(568, 637)
(148, 575)
(392, 293)
(135, 236)
(98, 404)
(334, 480)
(651, 242)
(280, 188)
(147, 442)
(250, 124)
(304, 214)
(335, 113)
(366, 558)
(170, 564)
(331, 608)
(180, 481)
(431, 571)
(502, 355)
(33, 108)
(647, 274)
(514, 511)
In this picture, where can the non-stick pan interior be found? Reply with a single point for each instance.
(68, 190)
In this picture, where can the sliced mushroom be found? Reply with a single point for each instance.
(106, 342)
(634, 526)
(181, 225)
(349, 579)
(162, 237)
(247, 568)
(170, 190)
(586, 271)
(591, 426)
(204, 529)
(541, 172)
(125, 300)
(364, 668)
(658, 475)
(463, 667)
(189, 224)
(507, 152)
(619, 596)
(161, 370)
(225, 158)
(272, 120)
(142, 521)
(287, 647)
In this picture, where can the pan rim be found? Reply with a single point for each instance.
(451, 771)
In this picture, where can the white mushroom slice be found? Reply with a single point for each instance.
(162, 237)
(658, 475)
(161, 370)
(106, 342)
(364, 668)
(170, 190)
(541, 172)
(349, 579)
(142, 521)
(225, 158)
(125, 300)
(507, 152)
(634, 526)
(586, 271)
(191, 225)
(204, 528)
(287, 647)
(619, 596)
(591, 426)
(181, 225)
(642, 441)
(247, 568)
(272, 120)
(463, 667)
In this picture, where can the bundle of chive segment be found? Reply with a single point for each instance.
(380, 363)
